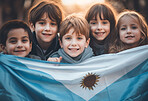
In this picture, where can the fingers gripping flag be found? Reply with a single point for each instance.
(109, 77)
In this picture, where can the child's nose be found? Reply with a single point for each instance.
(47, 27)
(19, 44)
(128, 30)
(99, 26)
(73, 42)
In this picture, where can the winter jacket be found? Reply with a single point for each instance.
(38, 51)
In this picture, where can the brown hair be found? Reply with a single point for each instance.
(13, 24)
(79, 24)
(106, 11)
(102, 9)
(118, 45)
(53, 10)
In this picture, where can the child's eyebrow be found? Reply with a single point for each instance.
(25, 37)
(45, 20)
(80, 34)
(67, 35)
(126, 25)
(93, 19)
(12, 38)
(16, 37)
(133, 24)
(123, 26)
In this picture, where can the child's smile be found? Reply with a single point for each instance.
(18, 43)
(46, 30)
(129, 31)
(73, 43)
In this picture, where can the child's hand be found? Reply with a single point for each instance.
(55, 59)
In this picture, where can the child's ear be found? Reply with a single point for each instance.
(60, 43)
(87, 43)
(32, 27)
(3, 48)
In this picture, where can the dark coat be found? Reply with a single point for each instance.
(38, 51)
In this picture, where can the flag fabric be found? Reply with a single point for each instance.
(120, 76)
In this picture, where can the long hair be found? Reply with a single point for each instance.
(108, 13)
(118, 45)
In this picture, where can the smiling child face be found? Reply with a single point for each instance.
(18, 43)
(129, 31)
(74, 44)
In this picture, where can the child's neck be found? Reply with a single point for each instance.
(99, 42)
(44, 46)
(128, 46)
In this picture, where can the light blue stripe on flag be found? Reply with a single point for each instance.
(109, 77)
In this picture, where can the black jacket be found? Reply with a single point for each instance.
(38, 51)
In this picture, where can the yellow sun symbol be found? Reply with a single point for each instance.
(89, 81)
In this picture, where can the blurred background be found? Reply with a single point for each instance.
(18, 9)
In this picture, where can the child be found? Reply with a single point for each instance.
(44, 19)
(101, 18)
(16, 39)
(131, 31)
(74, 41)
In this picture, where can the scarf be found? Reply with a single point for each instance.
(87, 53)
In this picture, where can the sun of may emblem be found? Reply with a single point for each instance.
(89, 81)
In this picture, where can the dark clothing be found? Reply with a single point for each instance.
(38, 51)
(88, 53)
(33, 57)
(98, 49)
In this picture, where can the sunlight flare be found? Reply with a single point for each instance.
(80, 2)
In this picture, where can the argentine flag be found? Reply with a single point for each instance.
(120, 76)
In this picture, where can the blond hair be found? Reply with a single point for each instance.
(118, 45)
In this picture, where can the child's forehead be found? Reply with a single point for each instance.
(73, 31)
(74, 34)
(17, 32)
(47, 16)
(129, 19)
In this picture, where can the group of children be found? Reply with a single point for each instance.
(74, 39)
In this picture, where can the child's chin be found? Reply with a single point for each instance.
(21, 55)
(73, 56)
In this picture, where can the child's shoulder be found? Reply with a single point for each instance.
(55, 54)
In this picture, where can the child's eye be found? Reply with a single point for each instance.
(13, 41)
(123, 29)
(93, 23)
(25, 40)
(79, 38)
(105, 22)
(68, 38)
(53, 23)
(42, 23)
(134, 27)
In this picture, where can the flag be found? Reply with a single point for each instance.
(119, 76)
